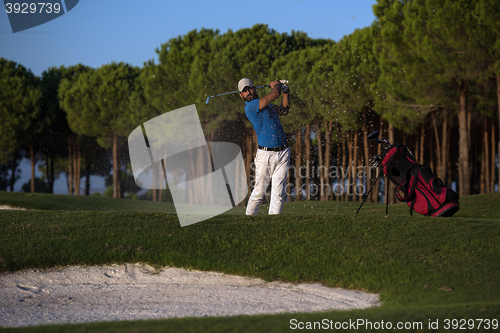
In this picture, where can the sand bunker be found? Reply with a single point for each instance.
(6, 207)
(136, 291)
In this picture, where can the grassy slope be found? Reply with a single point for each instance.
(42, 201)
(406, 259)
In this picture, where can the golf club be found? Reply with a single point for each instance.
(283, 82)
(232, 92)
(375, 135)
(376, 161)
(382, 139)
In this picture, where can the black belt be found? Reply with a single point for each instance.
(273, 149)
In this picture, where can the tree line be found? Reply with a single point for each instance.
(418, 74)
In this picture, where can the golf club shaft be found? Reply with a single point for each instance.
(232, 92)
(367, 194)
(384, 139)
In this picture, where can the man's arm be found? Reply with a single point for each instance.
(284, 108)
(274, 94)
(286, 101)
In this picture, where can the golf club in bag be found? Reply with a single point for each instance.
(416, 185)
(283, 82)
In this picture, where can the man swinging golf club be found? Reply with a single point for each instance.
(273, 156)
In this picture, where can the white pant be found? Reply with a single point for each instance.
(269, 166)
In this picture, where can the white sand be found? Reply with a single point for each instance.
(130, 292)
(6, 207)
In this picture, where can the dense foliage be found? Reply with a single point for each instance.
(418, 74)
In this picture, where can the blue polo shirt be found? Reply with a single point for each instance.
(266, 124)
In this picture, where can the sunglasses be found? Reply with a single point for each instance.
(247, 88)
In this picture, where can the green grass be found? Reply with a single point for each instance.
(41, 201)
(282, 322)
(407, 259)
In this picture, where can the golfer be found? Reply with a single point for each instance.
(273, 156)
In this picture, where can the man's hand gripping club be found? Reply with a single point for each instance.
(276, 87)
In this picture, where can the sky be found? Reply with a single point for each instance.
(98, 32)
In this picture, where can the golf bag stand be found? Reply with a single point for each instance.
(386, 192)
(368, 193)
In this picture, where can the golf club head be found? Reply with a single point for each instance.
(207, 99)
(376, 160)
(383, 140)
(374, 135)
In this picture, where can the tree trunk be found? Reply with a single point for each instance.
(432, 156)
(448, 173)
(475, 152)
(50, 182)
(52, 173)
(248, 159)
(14, 166)
(445, 148)
(33, 162)
(116, 168)
(155, 182)
(239, 182)
(70, 165)
(328, 130)
(439, 156)
(485, 158)
(288, 194)
(376, 188)
(345, 161)
(192, 194)
(77, 169)
(88, 165)
(421, 142)
(491, 185)
(367, 168)
(464, 170)
(321, 163)
(355, 196)
(498, 104)
(3, 176)
(298, 164)
(349, 165)
(341, 165)
(340, 152)
(50, 179)
(380, 170)
(390, 133)
(392, 188)
(483, 172)
(307, 140)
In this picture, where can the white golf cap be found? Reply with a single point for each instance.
(244, 83)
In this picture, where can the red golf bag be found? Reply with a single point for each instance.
(416, 184)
